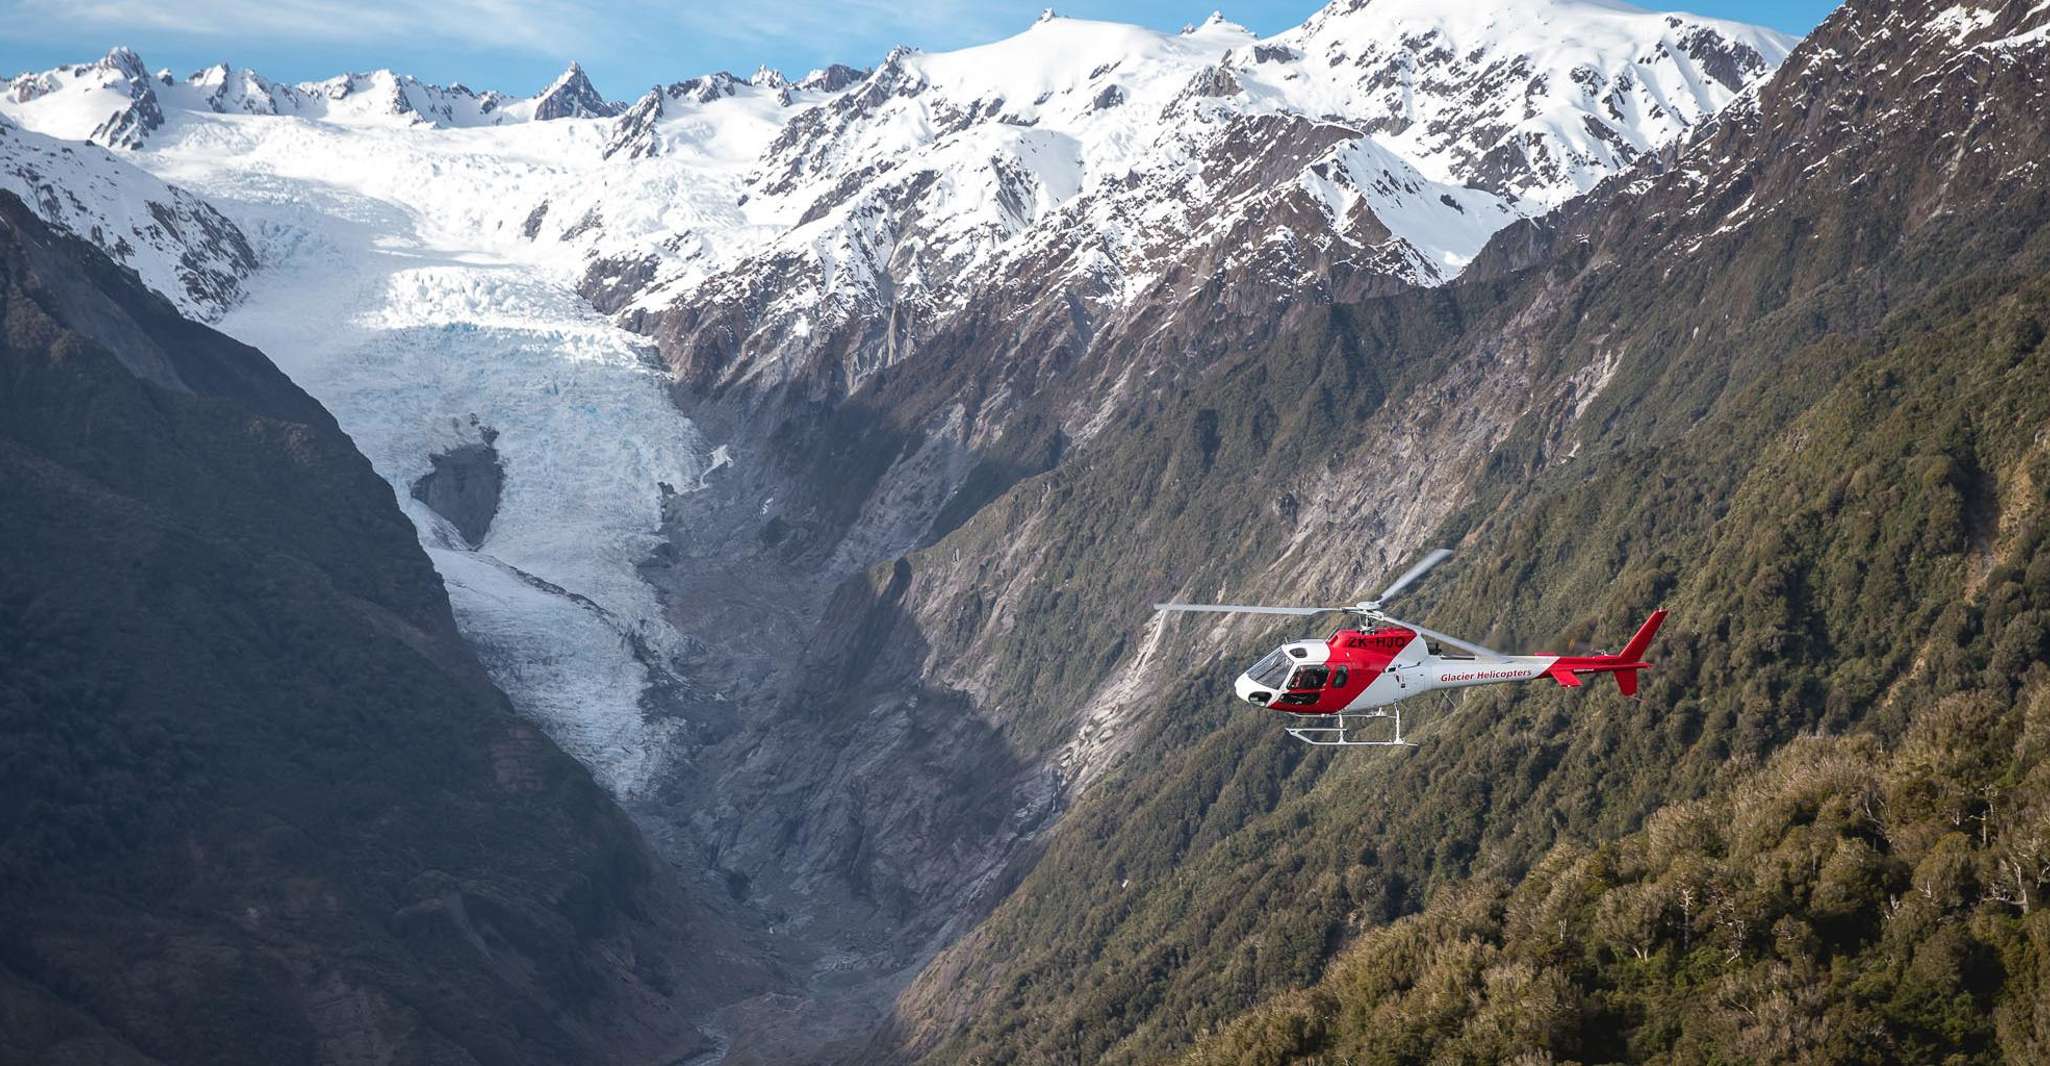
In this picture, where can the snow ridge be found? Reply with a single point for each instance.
(177, 243)
(1100, 155)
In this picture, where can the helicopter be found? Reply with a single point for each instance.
(1334, 689)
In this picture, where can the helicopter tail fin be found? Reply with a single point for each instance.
(1640, 642)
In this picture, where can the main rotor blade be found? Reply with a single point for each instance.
(1240, 608)
(1476, 649)
(1409, 576)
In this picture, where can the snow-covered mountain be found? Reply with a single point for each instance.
(103, 189)
(1390, 136)
(178, 243)
(116, 102)
(764, 229)
(112, 102)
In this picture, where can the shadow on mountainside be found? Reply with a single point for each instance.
(258, 802)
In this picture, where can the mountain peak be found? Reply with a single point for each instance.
(572, 76)
(572, 96)
(1216, 21)
(1046, 14)
(832, 78)
(123, 59)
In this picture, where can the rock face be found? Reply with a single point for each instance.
(464, 487)
(133, 121)
(634, 136)
(259, 803)
(832, 78)
(572, 96)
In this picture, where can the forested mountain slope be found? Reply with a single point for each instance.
(1869, 892)
(1790, 384)
(258, 802)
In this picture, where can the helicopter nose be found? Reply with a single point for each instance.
(1252, 691)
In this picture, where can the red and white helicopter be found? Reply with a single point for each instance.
(1335, 686)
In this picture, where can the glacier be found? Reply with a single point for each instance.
(418, 334)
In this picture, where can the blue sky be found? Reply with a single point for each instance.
(627, 45)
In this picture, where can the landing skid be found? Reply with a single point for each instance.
(1342, 730)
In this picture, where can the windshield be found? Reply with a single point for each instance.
(1271, 670)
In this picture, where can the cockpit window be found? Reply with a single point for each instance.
(1271, 670)
(1309, 677)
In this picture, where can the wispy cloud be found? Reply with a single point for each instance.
(542, 27)
(815, 23)
(539, 25)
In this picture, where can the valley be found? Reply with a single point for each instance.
(801, 455)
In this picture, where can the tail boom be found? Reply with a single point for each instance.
(1567, 669)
